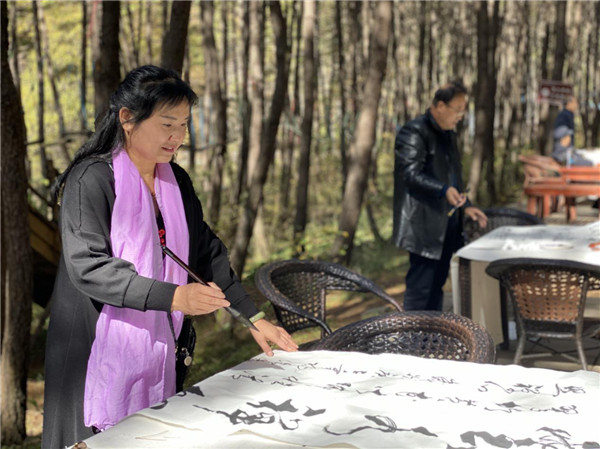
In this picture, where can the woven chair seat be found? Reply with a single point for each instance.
(548, 298)
(298, 289)
(496, 218)
(438, 335)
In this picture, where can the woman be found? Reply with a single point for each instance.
(118, 304)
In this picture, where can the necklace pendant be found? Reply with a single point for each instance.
(187, 361)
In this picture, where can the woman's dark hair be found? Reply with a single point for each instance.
(448, 91)
(143, 90)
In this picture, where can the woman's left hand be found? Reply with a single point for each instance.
(274, 334)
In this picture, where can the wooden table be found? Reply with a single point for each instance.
(543, 191)
(355, 400)
(571, 182)
(478, 296)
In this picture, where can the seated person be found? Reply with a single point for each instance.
(564, 151)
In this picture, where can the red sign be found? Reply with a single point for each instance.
(554, 91)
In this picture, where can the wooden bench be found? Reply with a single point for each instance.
(587, 174)
(543, 191)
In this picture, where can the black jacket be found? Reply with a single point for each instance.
(427, 160)
(88, 277)
(565, 118)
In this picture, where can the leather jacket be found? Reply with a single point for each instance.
(426, 162)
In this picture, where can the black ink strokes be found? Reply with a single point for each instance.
(568, 389)
(195, 390)
(521, 388)
(160, 405)
(285, 414)
(513, 407)
(283, 407)
(311, 412)
(548, 438)
(288, 381)
(457, 400)
(339, 386)
(382, 424)
(241, 417)
(248, 376)
(494, 440)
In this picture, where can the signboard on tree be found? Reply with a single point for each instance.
(554, 92)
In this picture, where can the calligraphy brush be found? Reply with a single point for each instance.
(451, 211)
(234, 313)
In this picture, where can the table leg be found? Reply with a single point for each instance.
(532, 205)
(504, 317)
(545, 205)
(571, 209)
(464, 274)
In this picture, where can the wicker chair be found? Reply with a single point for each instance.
(496, 218)
(298, 290)
(438, 335)
(548, 298)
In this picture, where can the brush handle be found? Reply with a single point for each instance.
(234, 313)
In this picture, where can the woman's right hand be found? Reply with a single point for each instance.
(198, 299)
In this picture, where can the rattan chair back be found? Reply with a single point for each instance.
(548, 297)
(298, 290)
(437, 335)
(496, 218)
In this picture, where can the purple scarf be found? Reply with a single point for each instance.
(132, 361)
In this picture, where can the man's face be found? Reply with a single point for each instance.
(449, 114)
(572, 104)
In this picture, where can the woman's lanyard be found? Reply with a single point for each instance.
(162, 237)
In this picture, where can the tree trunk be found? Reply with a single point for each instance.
(173, 45)
(483, 145)
(364, 139)
(595, 134)
(560, 52)
(107, 73)
(135, 51)
(308, 24)
(14, 47)
(354, 9)
(83, 64)
(149, 33)
(15, 239)
(547, 121)
(245, 108)
(293, 118)
(491, 104)
(165, 18)
(259, 174)
(585, 110)
(342, 84)
(53, 86)
(421, 60)
(256, 85)
(212, 77)
(40, 76)
(514, 74)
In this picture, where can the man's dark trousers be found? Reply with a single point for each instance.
(426, 277)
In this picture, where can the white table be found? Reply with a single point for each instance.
(591, 154)
(354, 400)
(542, 242)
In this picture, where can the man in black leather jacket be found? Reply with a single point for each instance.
(427, 186)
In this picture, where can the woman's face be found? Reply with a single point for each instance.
(156, 139)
